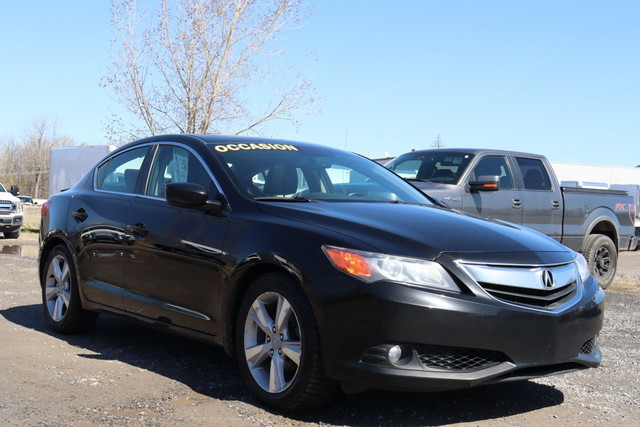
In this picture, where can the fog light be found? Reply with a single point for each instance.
(394, 354)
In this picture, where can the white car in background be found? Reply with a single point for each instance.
(10, 214)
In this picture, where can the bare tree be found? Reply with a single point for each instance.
(188, 68)
(25, 162)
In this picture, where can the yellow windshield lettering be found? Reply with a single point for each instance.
(249, 147)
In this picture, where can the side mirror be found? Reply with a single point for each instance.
(485, 183)
(15, 190)
(192, 196)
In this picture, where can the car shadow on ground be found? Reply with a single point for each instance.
(208, 371)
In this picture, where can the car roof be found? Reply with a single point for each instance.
(475, 151)
(211, 139)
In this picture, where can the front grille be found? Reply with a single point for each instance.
(589, 346)
(5, 207)
(457, 359)
(543, 287)
(438, 358)
(531, 297)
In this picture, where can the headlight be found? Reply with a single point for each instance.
(372, 267)
(583, 268)
(17, 207)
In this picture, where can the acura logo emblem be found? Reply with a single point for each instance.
(547, 279)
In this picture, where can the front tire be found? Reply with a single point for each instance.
(278, 346)
(602, 258)
(60, 295)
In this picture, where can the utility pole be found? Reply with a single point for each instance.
(438, 143)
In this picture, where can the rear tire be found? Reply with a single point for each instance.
(278, 346)
(60, 295)
(602, 258)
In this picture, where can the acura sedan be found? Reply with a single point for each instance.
(314, 268)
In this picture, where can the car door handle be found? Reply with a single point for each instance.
(516, 203)
(555, 205)
(137, 230)
(80, 215)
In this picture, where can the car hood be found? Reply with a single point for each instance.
(424, 231)
(8, 196)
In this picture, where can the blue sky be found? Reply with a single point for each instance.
(560, 78)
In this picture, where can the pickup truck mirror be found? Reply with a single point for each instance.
(485, 183)
(192, 196)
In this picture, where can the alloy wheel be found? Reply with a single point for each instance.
(272, 342)
(58, 288)
(602, 262)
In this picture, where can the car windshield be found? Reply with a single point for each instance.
(306, 173)
(2, 190)
(434, 166)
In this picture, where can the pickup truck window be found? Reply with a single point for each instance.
(494, 166)
(534, 174)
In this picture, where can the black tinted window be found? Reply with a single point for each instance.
(120, 173)
(534, 174)
(494, 166)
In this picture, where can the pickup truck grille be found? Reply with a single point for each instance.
(5, 207)
(542, 287)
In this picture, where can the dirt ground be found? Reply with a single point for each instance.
(125, 374)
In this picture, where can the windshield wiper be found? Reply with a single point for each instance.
(286, 199)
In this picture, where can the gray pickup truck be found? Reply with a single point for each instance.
(522, 188)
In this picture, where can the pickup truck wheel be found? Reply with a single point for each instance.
(602, 258)
(11, 234)
(60, 296)
(278, 346)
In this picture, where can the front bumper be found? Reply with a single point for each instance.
(9, 223)
(452, 341)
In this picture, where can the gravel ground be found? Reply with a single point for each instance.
(126, 374)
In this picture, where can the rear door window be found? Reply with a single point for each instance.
(534, 174)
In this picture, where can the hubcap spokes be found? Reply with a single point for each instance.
(272, 342)
(57, 288)
(603, 262)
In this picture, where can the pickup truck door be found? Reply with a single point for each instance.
(542, 203)
(505, 203)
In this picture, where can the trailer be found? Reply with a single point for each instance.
(68, 164)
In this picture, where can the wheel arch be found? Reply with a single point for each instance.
(54, 239)
(239, 283)
(606, 225)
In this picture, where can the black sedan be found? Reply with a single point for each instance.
(314, 267)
